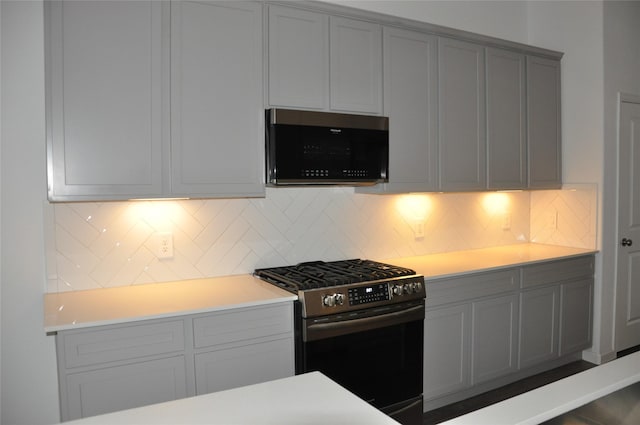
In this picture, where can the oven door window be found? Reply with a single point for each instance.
(382, 366)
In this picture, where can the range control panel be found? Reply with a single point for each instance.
(340, 299)
(369, 294)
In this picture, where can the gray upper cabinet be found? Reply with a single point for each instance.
(506, 120)
(323, 62)
(147, 99)
(462, 123)
(410, 102)
(105, 124)
(216, 99)
(298, 58)
(543, 118)
(355, 66)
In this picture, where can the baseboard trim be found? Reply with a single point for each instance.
(597, 358)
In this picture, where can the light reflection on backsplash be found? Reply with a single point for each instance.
(94, 245)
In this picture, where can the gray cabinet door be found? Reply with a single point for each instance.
(539, 325)
(447, 344)
(494, 338)
(216, 99)
(410, 102)
(232, 367)
(506, 120)
(543, 118)
(298, 59)
(576, 315)
(355, 58)
(462, 122)
(104, 99)
(122, 387)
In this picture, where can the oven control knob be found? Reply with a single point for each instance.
(417, 286)
(329, 300)
(408, 289)
(397, 290)
(339, 299)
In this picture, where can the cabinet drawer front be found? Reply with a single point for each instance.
(125, 387)
(121, 343)
(239, 325)
(557, 271)
(444, 291)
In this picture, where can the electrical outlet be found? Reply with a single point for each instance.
(506, 221)
(164, 244)
(418, 230)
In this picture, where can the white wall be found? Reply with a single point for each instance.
(29, 381)
(621, 74)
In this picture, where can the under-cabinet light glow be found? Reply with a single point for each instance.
(414, 207)
(496, 203)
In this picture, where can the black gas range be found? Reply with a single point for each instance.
(333, 287)
(361, 323)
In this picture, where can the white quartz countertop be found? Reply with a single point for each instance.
(306, 399)
(78, 309)
(448, 264)
(559, 397)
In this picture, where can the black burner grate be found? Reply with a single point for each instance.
(318, 274)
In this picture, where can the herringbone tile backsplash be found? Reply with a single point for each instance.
(93, 245)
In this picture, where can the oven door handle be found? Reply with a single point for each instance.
(318, 331)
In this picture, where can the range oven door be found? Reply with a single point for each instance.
(375, 353)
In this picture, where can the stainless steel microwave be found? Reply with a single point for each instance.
(308, 148)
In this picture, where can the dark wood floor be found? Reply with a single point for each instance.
(474, 403)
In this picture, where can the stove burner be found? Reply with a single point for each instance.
(319, 274)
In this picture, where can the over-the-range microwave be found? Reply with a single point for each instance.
(310, 148)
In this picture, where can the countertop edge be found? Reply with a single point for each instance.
(506, 266)
(168, 315)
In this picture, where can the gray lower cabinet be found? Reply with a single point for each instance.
(99, 391)
(484, 330)
(108, 368)
(494, 338)
(575, 307)
(539, 325)
(447, 336)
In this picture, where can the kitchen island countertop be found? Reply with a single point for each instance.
(549, 401)
(306, 399)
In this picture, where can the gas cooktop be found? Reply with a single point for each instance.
(338, 286)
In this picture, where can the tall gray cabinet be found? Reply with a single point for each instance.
(543, 123)
(106, 88)
(461, 106)
(148, 99)
(410, 102)
(506, 120)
